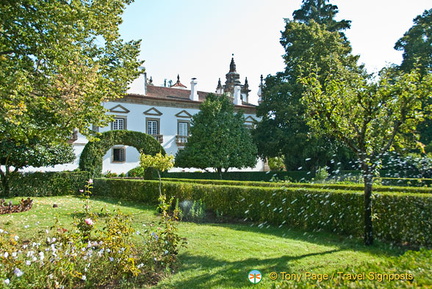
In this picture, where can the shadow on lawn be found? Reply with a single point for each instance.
(231, 274)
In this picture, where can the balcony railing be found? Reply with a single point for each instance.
(181, 139)
(158, 137)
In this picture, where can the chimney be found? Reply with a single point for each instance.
(194, 91)
(145, 83)
(237, 95)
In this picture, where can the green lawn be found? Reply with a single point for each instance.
(220, 255)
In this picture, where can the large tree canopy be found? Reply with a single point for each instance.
(219, 138)
(416, 44)
(58, 61)
(321, 12)
(369, 116)
(283, 130)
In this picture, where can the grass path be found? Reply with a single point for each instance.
(217, 255)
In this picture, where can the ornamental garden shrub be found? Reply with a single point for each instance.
(39, 184)
(400, 218)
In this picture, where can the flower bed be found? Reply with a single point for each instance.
(8, 208)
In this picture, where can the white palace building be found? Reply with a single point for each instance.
(164, 112)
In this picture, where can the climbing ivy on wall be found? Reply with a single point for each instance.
(91, 157)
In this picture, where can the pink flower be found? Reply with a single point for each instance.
(89, 222)
(90, 181)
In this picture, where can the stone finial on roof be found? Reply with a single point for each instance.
(219, 88)
(232, 65)
(178, 84)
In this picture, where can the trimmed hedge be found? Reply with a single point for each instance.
(347, 187)
(413, 182)
(39, 184)
(91, 156)
(243, 176)
(400, 217)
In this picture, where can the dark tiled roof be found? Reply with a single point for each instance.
(173, 93)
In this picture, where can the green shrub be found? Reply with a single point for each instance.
(137, 172)
(39, 184)
(345, 186)
(400, 217)
(296, 176)
(91, 156)
(194, 211)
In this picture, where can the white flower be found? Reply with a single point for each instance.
(6, 254)
(16, 238)
(18, 272)
(28, 262)
(140, 265)
(7, 281)
(84, 277)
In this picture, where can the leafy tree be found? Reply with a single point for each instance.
(276, 163)
(59, 60)
(322, 13)
(370, 117)
(219, 138)
(283, 130)
(416, 44)
(160, 162)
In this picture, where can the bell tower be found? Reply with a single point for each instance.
(234, 86)
(232, 79)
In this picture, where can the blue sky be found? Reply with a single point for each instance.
(196, 38)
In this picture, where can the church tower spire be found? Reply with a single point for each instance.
(232, 79)
(219, 88)
(232, 65)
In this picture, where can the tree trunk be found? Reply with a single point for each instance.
(219, 170)
(5, 182)
(160, 182)
(368, 228)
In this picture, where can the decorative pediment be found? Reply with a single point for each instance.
(153, 111)
(183, 114)
(119, 109)
(250, 119)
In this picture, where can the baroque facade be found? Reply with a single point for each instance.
(165, 113)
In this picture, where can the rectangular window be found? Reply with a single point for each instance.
(118, 123)
(153, 127)
(183, 128)
(182, 132)
(119, 155)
